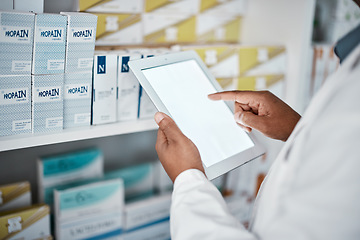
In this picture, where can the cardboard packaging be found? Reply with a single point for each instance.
(187, 7)
(117, 29)
(222, 60)
(77, 99)
(16, 42)
(54, 171)
(169, 28)
(15, 195)
(80, 42)
(47, 103)
(218, 28)
(158, 231)
(142, 214)
(112, 6)
(228, 7)
(90, 211)
(128, 89)
(49, 44)
(26, 223)
(104, 89)
(138, 180)
(15, 104)
(260, 60)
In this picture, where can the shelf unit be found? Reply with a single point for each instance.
(286, 22)
(70, 135)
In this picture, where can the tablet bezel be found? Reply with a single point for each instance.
(224, 166)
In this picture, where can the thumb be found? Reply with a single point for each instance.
(168, 126)
(249, 119)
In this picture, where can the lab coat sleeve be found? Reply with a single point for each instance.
(199, 211)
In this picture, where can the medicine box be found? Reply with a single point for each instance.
(228, 7)
(66, 168)
(147, 212)
(138, 180)
(80, 43)
(275, 83)
(158, 231)
(110, 6)
(49, 44)
(16, 42)
(104, 89)
(187, 7)
(26, 223)
(119, 28)
(15, 104)
(15, 195)
(218, 28)
(169, 28)
(222, 60)
(47, 102)
(259, 60)
(77, 99)
(91, 211)
(128, 89)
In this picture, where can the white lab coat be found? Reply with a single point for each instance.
(312, 190)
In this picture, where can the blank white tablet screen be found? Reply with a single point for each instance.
(183, 88)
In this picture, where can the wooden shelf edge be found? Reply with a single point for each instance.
(69, 135)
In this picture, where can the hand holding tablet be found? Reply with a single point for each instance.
(179, 85)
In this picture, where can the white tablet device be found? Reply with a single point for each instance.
(179, 84)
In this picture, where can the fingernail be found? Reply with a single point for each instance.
(158, 117)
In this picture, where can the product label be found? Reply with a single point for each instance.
(18, 66)
(47, 94)
(82, 118)
(125, 64)
(56, 122)
(12, 34)
(14, 224)
(49, 34)
(80, 34)
(55, 64)
(85, 63)
(14, 96)
(77, 91)
(101, 64)
(103, 226)
(20, 125)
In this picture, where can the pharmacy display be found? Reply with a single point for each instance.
(178, 84)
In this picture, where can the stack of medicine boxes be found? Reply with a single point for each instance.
(80, 44)
(48, 72)
(16, 47)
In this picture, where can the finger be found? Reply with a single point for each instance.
(241, 107)
(243, 97)
(246, 129)
(251, 120)
(168, 126)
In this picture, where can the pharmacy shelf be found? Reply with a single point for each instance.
(69, 135)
